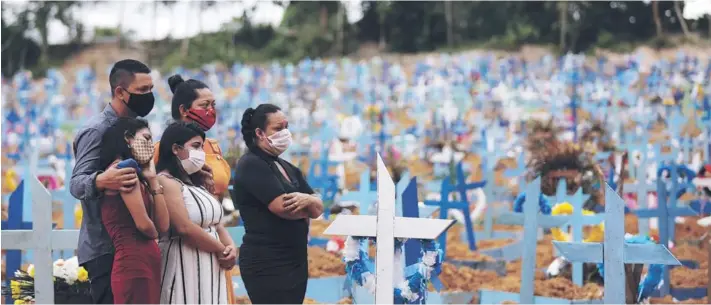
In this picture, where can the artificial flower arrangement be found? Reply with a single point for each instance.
(71, 284)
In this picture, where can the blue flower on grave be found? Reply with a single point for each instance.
(543, 204)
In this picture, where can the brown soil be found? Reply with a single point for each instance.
(468, 279)
(317, 227)
(669, 300)
(323, 263)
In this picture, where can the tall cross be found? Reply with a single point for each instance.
(42, 239)
(385, 227)
(614, 252)
(444, 205)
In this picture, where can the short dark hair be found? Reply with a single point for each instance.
(184, 93)
(254, 118)
(124, 71)
(177, 132)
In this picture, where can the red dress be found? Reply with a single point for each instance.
(135, 276)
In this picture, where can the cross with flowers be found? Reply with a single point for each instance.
(42, 239)
(385, 227)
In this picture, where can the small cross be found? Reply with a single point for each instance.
(42, 239)
(385, 226)
(614, 252)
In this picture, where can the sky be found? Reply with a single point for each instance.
(181, 20)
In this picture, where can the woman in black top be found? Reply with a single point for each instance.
(275, 203)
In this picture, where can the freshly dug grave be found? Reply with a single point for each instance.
(317, 227)
(323, 263)
(458, 249)
(467, 279)
(545, 255)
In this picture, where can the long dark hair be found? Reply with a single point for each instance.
(254, 118)
(184, 93)
(176, 133)
(114, 146)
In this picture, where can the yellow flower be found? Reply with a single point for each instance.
(17, 302)
(15, 287)
(82, 275)
(31, 270)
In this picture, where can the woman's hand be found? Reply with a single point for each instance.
(229, 257)
(149, 171)
(295, 202)
(204, 177)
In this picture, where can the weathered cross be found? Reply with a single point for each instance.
(385, 226)
(42, 239)
(614, 252)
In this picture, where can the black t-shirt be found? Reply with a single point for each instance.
(271, 245)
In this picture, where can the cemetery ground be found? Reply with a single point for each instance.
(688, 247)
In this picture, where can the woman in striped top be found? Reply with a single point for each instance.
(197, 250)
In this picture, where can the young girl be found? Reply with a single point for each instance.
(198, 249)
(134, 219)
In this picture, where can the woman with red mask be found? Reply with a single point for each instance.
(194, 102)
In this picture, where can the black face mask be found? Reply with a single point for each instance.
(141, 104)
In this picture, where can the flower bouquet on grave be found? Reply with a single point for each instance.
(71, 284)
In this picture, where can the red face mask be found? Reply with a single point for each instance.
(204, 118)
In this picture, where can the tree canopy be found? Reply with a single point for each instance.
(321, 29)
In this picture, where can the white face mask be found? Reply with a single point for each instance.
(280, 141)
(194, 162)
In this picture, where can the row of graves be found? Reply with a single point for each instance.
(602, 202)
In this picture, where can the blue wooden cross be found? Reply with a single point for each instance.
(531, 220)
(642, 186)
(410, 208)
(444, 205)
(520, 167)
(665, 215)
(364, 196)
(614, 252)
(15, 221)
(64, 196)
(577, 220)
(326, 182)
(490, 158)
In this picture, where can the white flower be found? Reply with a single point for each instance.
(406, 293)
(332, 246)
(369, 282)
(430, 258)
(71, 267)
(351, 249)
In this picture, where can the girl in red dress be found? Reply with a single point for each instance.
(134, 217)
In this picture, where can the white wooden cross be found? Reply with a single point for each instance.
(42, 239)
(386, 227)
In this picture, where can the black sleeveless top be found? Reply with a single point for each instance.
(271, 245)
